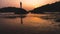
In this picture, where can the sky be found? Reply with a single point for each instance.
(27, 4)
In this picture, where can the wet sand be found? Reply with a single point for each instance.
(32, 24)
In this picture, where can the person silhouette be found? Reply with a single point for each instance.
(22, 12)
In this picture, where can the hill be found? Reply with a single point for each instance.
(55, 7)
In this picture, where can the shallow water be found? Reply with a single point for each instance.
(32, 24)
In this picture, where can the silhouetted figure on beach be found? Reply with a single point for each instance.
(22, 12)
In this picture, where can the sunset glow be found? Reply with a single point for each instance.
(27, 4)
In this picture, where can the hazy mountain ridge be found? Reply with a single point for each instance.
(55, 7)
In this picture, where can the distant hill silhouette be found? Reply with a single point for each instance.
(13, 9)
(55, 7)
(8, 9)
(21, 11)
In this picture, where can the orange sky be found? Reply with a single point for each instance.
(27, 4)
